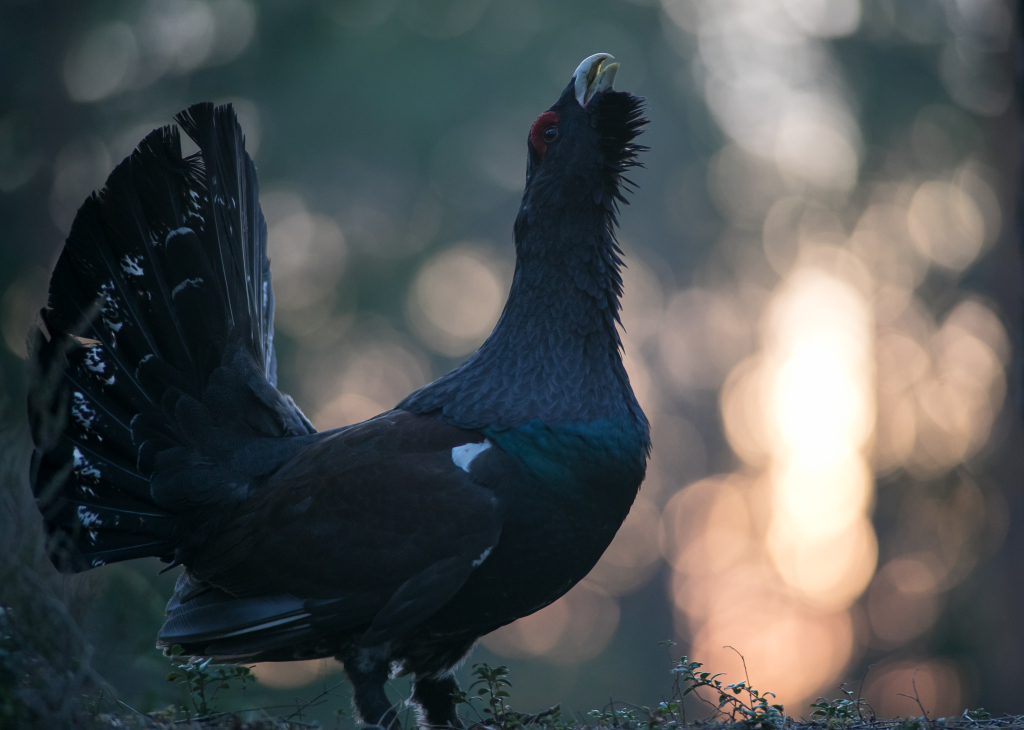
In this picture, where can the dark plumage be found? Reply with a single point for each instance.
(396, 542)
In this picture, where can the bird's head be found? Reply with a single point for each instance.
(579, 148)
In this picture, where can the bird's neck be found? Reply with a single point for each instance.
(563, 303)
(554, 355)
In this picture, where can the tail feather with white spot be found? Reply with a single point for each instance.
(157, 365)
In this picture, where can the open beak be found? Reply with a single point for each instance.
(594, 75)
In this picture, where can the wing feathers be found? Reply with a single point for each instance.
(419, 598)
(341, 525)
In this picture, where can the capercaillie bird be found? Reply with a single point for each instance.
(392, 544)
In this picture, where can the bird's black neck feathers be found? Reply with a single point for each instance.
(555, 352)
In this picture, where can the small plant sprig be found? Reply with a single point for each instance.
(204, 681)
(840, 713)
(668, 715)
(739, 702)
(612, 717)
(975, 715)
(491, 687)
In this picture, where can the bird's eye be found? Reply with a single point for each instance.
(544, 130)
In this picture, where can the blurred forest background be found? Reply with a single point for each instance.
(822, 307)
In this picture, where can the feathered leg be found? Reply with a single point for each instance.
(434, 696)
(368, 673)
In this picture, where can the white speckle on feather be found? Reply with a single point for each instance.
(144, 360)
(184, 231)
(83, 467)
(187, 283)
(483, 556)
(87, 518)
(93, 536)
(92, 359)
(464, 455)
(109, 302)
(110, 308)
(97, 562)
(131, 265)
(83, 414)
(110, 380)
(86, 490)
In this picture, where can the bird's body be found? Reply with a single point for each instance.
(392, 543)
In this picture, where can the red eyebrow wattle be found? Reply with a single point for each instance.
(544, 121)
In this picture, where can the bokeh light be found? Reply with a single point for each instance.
(576, 627)
(289, 675)
(901, 689)
(168, 37)
(456, 298)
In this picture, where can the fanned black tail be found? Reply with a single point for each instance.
(158, 368)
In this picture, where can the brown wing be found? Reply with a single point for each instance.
(373, 526)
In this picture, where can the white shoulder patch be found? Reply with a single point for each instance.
(463, 455)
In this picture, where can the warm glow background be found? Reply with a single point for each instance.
(822, 300)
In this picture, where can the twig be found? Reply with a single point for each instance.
(313, 702)
(916, 697)
(227, 713)
(125, 704)
(529, 719)
(860, 694)
(743, 659)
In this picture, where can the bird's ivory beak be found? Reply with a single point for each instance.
(594, 75)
